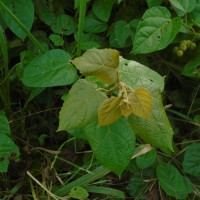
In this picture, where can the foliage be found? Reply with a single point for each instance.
(119, 75)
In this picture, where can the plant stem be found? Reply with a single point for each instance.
(82, 10)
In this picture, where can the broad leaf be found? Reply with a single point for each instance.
(155, 31)
(146, 160)
(101, 63)
(78, 193)
(7, 149)
(112, 145)
(64, 24)
(81, 106)
(183, 6)
(191, 162)
(50, 69)
(136, 75)
(110, 111)
(23, 10)
(141, 103)
(4, 125)
(7, 146)
(93, 25)
(172, 182)
(102, 9)
(157, 130)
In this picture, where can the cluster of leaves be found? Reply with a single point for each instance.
(113, 101)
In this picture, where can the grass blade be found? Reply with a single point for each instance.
(82, 10)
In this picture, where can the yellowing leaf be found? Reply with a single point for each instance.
(101, 63)
(110, 111)
(141, 102)
(81, 106)
(125, 107)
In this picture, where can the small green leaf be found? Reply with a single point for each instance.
(112, 145)
(93, 25)
(50, 69)
(102, 9)
(101, 63)
(191, 162)
(23, 10)
(78, 193)
(56, 39)
(146, 160)
(152, 3)
(63, 24)
(172, 182)
(81, 106)
(109, 111)
(122, 32)
(4, 125)
(155, 31)
(44, 12)
(191, 69)
(183, 6)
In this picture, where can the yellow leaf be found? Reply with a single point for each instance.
(125, 107)
(110, 111)
(141, 103)
(101, 63)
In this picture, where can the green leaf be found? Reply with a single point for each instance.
(156, 131)
(183, 6)
(4, 125)
(23, 10)
(155, 31)
(7, 146)
(101, 63)
(191, 162)
(50, 69)
(85, 45)
(78, 193)
(146, 160)
(152, 3)
(81, 106)
(93, 25)
(194, 16)
(102, 9)
(191, 69)
(56, 39)
(112, 145)
(172, 182)
(45, 14)
(63, 24)
(136, 75)
(122, 32)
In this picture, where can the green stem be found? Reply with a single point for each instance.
(14, 18)
(82, 10)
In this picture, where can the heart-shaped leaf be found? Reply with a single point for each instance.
(110, 111)
(101, 63)
(81, 106)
